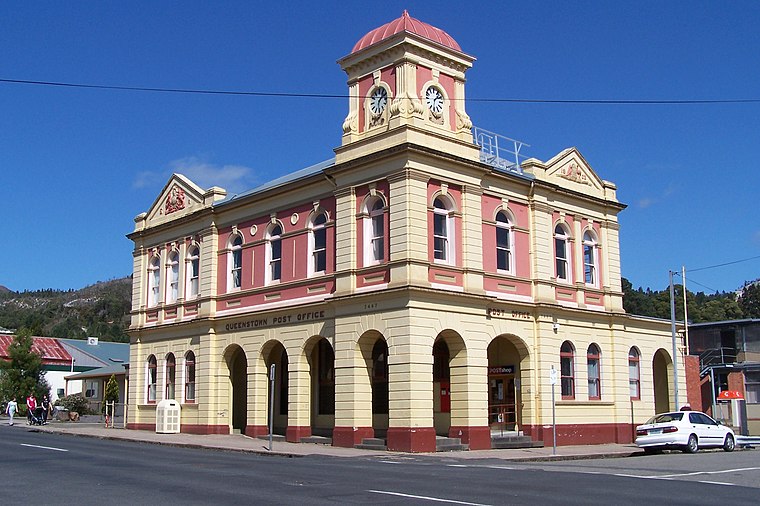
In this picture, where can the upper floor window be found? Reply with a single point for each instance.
(561, 252)
(151, 378)
(192, 272)
(503, 242)
(590, 259)
(171, 374)
(443, 230)
(318, 243)
(374, 231)
(189, 376)
(634, 381)
(274, 254)
(235, 263)
(172, 278)
(154, 281)
(593, 357)
(567, 369)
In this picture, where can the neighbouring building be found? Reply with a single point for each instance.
(95, 361)
(56, 362)
(724, 357)
(424, 282)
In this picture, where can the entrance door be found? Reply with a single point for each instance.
(502, 409)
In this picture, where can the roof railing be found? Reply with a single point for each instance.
(499, 151)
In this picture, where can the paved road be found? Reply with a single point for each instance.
(92, 471)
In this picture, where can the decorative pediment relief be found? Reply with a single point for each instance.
(178, 198)
(570, 169)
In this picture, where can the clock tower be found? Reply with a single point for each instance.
(406, 85)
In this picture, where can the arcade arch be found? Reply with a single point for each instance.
(508, 362)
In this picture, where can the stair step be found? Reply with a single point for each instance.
(511, 442)
(449, 444)
(320, 440)
(275, 437)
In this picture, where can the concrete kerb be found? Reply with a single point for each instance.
(258, 446)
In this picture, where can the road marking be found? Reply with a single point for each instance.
(508, 468)
(45, 447)
(697, 473)
(426, 498)
(717, 483)
(390, 462)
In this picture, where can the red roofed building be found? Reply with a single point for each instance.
(55, 359)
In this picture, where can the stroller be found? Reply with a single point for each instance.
(36, 416)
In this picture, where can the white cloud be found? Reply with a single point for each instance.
(233, 178)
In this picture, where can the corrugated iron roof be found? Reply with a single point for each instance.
(52, 352)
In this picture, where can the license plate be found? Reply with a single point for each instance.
(654, 431)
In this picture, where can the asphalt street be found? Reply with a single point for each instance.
(70, 469)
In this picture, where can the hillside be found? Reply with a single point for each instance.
(100, 310)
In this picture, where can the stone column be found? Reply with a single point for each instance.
(299, 398)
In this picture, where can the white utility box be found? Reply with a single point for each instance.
(167, 417)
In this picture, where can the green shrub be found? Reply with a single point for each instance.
(74, 402)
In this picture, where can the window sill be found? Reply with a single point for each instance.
(573, 402)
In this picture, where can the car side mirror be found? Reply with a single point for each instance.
(718, 422)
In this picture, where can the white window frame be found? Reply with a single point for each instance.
(172, 277)
(314, 252)
(562, 239)
(509, 248)
(447, 214)
(173, 394)
(235, 263)
(590, 259)
(374, 213)
(634, 364)
(593, 352)
(272, 262)
(151, 388)
(192, 272)
(185, 398)
(154, 281)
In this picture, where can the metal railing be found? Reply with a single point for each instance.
(499, 151)
(716, 357)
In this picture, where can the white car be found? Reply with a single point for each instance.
(687, 430)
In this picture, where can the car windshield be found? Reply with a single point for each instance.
(666, 417)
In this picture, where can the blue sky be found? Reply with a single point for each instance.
(76, 165)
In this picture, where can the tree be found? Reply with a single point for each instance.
(112, 392)
(749, 300)
(22, 374)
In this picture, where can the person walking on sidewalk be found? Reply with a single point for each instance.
(31, 405)
(45, 409)
(11, 410)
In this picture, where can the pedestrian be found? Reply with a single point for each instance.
(45, 408)
(11, 410)
(31, 405)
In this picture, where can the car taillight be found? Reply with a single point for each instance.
(641, 432)
(668, 430)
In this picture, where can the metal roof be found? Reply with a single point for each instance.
(95, 355)
(48, 347)
(116, 369)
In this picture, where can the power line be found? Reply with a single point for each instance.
(329, 95)
(724, 264)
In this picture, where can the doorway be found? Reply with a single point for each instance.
(502, 395)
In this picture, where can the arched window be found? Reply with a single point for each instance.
(171, 374)
(380, 378)
(151, 378)
(172, 278)
(189, 377)
(154, 281)
(318, 243)
(192, 272)
(374, 231)
(235, 263)
(567, 369)
(274, 254)
(443, 230)
(562, 252)
(503, 242)
(593, 359)
(590, 259)
(634, 378)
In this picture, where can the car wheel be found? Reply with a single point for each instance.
(692, 446)
(729, 444)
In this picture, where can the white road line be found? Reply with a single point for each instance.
(508, 468)
(426, 498)
(44, 447)
(722, 471)
(390, 462)
(717, 483)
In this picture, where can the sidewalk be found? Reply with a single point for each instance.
(284, 449)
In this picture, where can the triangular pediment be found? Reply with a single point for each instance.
(571, 170)
(179, 197)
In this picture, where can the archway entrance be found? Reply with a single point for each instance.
(238, 368)
(322, 367)
(379, 379)
(504, 396)
(278, 357)
(441, 388)
(662, 372)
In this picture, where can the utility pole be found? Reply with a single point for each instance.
(673, 337)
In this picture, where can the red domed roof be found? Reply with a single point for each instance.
(406, 23)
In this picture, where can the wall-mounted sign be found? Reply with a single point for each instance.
(268, 321)
(495, 312)
(501, 369)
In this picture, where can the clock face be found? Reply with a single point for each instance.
(434, 100)
(378, 100)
